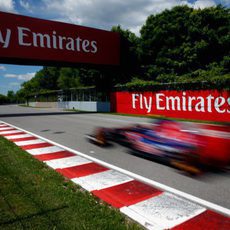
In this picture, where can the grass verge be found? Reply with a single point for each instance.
(33, 196)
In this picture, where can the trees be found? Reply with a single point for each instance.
(3, 99)
(178, 45)
(183, 40)
(68, 78)
(130, 55)
(11, 96)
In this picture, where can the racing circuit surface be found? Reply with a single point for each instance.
(69, 129)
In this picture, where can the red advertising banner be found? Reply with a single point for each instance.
(30, 39)
(209, 105)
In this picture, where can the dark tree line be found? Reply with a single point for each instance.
(178, 45)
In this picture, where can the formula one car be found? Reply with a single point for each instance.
(188, 147)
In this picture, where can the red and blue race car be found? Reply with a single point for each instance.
(186, 146)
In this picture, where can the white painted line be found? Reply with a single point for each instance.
(10, 132)
(5, 128)
(156, 184)
(45, 150)
(31, 142)
(141, 219)
(165, 210)
(3, 125)
(102, 180)
(67, 162)
(19, 136)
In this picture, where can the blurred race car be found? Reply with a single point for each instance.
(189, 147)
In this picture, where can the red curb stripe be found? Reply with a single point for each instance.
(36, 146)
(53, 156)
(1, 128)
(12, 134)
(127, 194)
(23, 139)
(13, 129)
(207, 220)
(82, 170)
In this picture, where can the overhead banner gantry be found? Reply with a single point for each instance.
(27, 40)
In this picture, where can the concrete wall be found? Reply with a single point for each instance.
(91, 106)
(43, 104)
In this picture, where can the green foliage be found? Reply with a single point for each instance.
(34, 196)
(129, 54)
(3, 99)
(184, 82)
(11, 96)
(68, 78)
(183, 40)
(182, 45)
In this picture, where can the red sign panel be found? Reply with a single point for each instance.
(24, 38)
(210, 105)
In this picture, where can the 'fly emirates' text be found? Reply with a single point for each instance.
(160, 101)
(28, 38)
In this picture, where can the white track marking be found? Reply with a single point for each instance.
(10, 132)
(67, 162)
(3, 125)
(45, 150)
(31, 142)
(141, 219)
(156, 184)
(165, 210)
(19, 136)
(5, 128)
(102, 180)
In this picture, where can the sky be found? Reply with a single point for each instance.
(101, 14)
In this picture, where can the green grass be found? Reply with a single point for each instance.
(33, 196)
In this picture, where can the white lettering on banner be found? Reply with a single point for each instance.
(54, 39)
(172, 101)
(209, 99)
(190, 99)
(183, 103)
(148, 104)
(219, 101)
(228, 105)
(5, 40)
(26, 37)
(199, 107)
(158, 100)
(70, 44)
(39, 39)
(143, 100)
(21, 36)
(134, 99)
(94, 46)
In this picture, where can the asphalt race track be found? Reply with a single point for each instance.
(69, 128)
